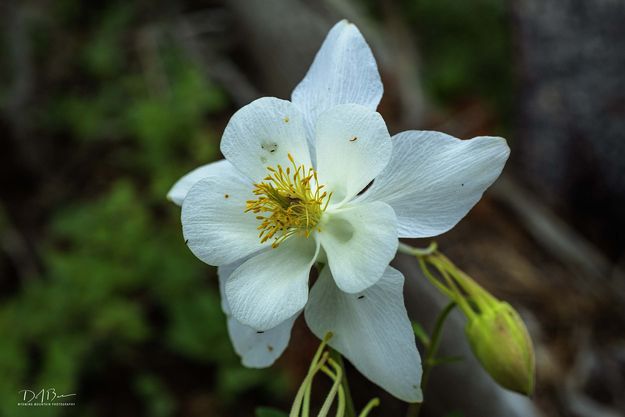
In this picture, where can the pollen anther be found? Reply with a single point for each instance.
(290, 201)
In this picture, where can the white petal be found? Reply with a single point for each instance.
(272, 286)
(214, 224)
(353, 147)
(371, 329)
(434, 179)
(257, 350)
(179, 191)
(359, 241)
(263, 134)
(344, 71)
(223, 272)
(260, 350)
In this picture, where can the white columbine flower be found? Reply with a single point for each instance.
(290, 194)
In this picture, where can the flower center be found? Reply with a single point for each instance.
(287, 204)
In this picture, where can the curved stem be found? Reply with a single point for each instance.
(411, 250)
(448, 284)
(350, 410)
(430, 355)
(303, 393)
(340, 407)
(370, 405)
(446, 268)
(325, 408)
(442, 288)
(297, 403)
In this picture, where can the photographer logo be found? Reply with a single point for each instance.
(45, 397)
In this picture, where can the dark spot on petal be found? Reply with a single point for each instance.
(270, 348)
(415, 387)
(286, 119)
(462, 185)
(226, 195)
(260, 331)
(360, 297)
(354, 139)
(270, 147)
(186, 241)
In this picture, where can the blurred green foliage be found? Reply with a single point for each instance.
(120, 292)
(466, 51)
(269, 412)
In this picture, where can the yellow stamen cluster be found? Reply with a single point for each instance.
(287, 204)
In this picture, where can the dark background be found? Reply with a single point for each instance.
(104, 105)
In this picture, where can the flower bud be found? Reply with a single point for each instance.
(501, 342)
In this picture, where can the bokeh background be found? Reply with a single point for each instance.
(105, 104)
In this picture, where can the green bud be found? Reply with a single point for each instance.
(501, 342)
(496, 333)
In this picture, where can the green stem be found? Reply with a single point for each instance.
(350, 410)
(370, 405)
(433, 280)
(325, 408)
(445, 268)
(430, 355)
(448, 271)
(411, 250)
